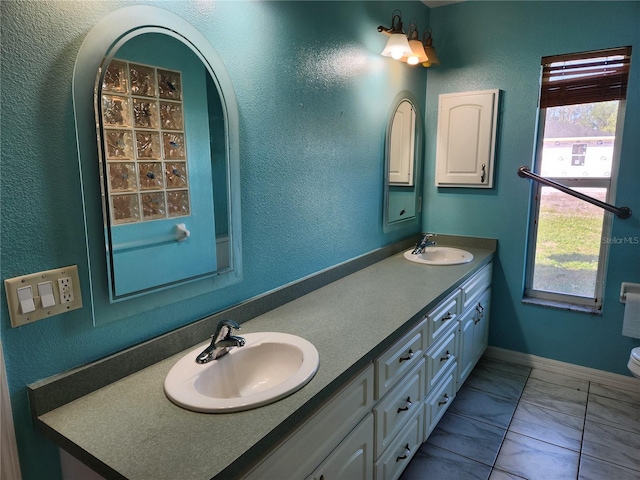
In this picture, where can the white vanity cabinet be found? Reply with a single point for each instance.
(373, 427)
(474, 322)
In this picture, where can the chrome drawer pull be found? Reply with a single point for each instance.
(406, 407)
(448, 316)
(446, 357)
(408, 357)
(446, 400)
(406, 455)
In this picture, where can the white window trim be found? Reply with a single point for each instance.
(564, 300)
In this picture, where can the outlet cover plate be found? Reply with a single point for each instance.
(12, 285)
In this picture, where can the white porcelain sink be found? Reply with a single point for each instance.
(268, 367)
(440, 256)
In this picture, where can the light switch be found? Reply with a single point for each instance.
(45, 294)
(25, 297)
(45, 289)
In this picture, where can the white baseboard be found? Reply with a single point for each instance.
(614, 380)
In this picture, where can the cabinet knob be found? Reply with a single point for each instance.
(406, 455)
(409, 356)
(445, 400)
(448, 316)
(406, 407)
(446, 357)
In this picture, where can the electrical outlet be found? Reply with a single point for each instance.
(65, 286)
(41, 295)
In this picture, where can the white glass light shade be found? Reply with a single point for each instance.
(417, 54)
(397, 47)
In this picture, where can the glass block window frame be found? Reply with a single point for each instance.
(144, 143)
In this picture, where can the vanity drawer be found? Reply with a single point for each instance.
(311, 443)
(439, 400)
(395, 409)
(476, 285)
(401, 357)
(443, 316)
(440, 356)
(399, 453)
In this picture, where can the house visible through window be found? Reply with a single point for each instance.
(581, 116)
(578, 152)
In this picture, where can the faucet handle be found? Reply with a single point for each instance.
(228, 323)
(224, 329)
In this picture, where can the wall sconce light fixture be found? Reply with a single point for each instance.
(397, 45)
(408, 48)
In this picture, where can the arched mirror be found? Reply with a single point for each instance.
(403, 148)
(157, 130)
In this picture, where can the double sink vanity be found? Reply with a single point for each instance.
(395, 339)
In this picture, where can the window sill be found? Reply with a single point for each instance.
(595, 310)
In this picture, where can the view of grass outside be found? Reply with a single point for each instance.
(568, 242)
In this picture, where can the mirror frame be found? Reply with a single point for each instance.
(100, 44)
(403, 96)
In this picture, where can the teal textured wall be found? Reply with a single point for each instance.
(313, 95)
(484, 45)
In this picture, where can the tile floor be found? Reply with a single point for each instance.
(510, 422)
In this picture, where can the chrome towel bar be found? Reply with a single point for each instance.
(621, 212)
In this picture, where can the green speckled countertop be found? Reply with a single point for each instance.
(131, 428)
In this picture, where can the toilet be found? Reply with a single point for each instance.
(634, 362)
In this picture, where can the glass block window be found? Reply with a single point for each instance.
(143, 141)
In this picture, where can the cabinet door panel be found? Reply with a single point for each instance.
(313, 442)
(466, 138)
(353, 458)
(481, 328)
(466, 347)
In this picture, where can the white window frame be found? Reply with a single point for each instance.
(565, 300)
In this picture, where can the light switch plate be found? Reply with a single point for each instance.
(63, 283)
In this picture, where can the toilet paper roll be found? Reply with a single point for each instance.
(631, 321)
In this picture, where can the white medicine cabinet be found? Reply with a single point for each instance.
(465, 152)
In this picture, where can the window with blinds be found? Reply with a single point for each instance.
(582, 97)
(586, 77)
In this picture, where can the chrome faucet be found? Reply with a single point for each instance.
(425, 241)
(221, 342)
